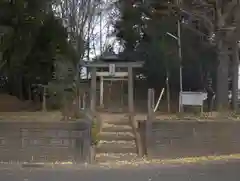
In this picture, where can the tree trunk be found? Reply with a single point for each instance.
(20, 87)
(222, 76)
(29, 92)
(235, 77)
(44, 102)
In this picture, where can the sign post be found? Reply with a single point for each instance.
(112, 69)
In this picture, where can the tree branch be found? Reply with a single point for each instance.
(228, 11)
(2, 64)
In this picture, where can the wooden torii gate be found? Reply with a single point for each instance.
(113, 73)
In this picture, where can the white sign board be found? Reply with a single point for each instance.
(112, 69)
(192, 98)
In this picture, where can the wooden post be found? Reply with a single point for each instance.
(93, 90)
(29, 92)
(235, 80)
(168, 92)
(122, 95)
(110, 94)
(79, 98)
(130, 92)
(151, 104)
(150, 118)
(131, 113)
(44, 107)
(101, 92)
(84, 101)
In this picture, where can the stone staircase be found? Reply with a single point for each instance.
(116, 140)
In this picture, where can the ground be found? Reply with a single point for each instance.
(31, 116)
(11, 108)
(217, 171)
(10, 103)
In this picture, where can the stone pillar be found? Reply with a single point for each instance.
(101, 92)
(130, 92)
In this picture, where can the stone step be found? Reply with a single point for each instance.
(107, 127)
(116, 147)
(117, 119)
(115, 157)
(111, 136)
(118, 122)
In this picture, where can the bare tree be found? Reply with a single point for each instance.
(78, 17)
(103, 35)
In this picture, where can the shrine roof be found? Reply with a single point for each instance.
(110, 58)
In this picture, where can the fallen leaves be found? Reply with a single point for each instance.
(186, 160)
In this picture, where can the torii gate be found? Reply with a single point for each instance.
(112, 63)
